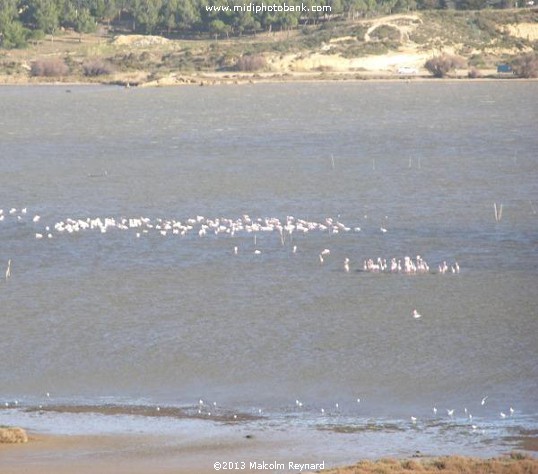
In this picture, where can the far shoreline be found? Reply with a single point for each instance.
(396, 47)
(223, 79)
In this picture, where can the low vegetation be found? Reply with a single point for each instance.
(12, 435)
(49, 67)
(97, 67)
(386, 32)
(516, 463)
(441, 65)
(526, 65)
(251, 62)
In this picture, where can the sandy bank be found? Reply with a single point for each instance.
(115, 454)
(188, 451)
(141, 454)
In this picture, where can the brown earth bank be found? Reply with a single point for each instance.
(391, 47)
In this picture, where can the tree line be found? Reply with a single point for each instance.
(25, 20)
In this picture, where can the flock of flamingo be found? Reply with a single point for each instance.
(201, 227)
(408, 265)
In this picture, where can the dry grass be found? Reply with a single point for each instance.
(251, 63)
(515, 464)
(440, 66)
(9, 435)
(97, 67)
(49, 67)
(526, 65)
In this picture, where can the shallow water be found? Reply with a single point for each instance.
(112, 318)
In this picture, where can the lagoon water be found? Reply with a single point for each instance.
(114, 319)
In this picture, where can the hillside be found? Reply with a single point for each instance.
(383, 47)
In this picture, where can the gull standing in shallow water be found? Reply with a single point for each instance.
(416, 314)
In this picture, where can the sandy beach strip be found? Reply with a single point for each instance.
(154, 454)
(143, 454)
(118, 454)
